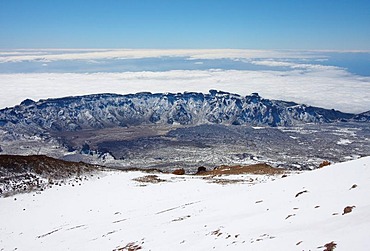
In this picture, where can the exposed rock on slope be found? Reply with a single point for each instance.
(250, 169)
(24, 173)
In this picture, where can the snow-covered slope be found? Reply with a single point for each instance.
(111, 110)
(300, 212)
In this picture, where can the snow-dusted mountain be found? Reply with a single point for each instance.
(146, 129)
(111, 110)
(365, 117)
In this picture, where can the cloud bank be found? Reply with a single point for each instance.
(95, 54)
(324, 87)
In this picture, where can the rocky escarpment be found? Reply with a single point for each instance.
(112, 110)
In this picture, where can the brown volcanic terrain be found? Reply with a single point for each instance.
(251, 169)
(36, 172)
(42, 165)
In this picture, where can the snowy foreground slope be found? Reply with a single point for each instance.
(300, 212)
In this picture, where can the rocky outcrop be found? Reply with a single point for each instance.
(36, 172)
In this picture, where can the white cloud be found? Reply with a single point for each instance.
(324, 87)
(271, 63)
(293, 65)
(75, 54)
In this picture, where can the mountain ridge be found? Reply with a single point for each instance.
(189, 108)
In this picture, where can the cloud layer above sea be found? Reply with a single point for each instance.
(286, 75)
(48, 55)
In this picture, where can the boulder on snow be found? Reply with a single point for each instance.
(347, 209)
(201, 170)
(324, 163)
(330, 246)
(180, 171)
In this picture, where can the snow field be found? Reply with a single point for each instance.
(299, 212)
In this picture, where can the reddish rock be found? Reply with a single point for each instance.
(179, 171)
(324, 163)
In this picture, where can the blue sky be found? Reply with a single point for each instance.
(252, 24)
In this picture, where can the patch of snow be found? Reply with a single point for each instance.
(344, 142)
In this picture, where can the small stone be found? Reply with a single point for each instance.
(347, 209)
(353, 186)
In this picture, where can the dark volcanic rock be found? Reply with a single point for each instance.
(201, 170)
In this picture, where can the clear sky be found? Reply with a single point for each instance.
(251, 24)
